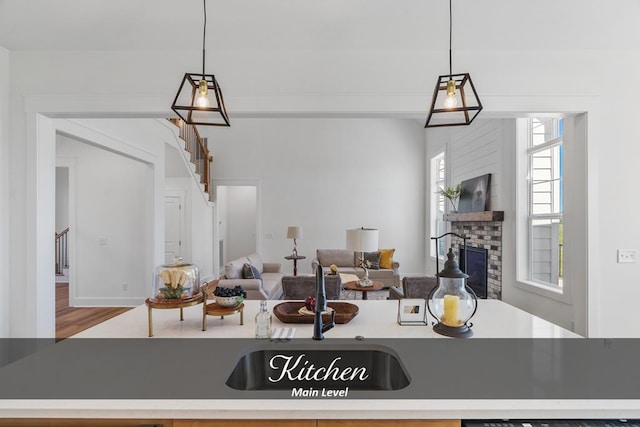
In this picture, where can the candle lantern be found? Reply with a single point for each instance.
(452, 302)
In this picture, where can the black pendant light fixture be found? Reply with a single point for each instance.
(455, 100)
(199, 99)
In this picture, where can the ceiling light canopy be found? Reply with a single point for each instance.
(455, 101)
(199, 99)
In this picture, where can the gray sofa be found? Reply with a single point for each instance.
(348, 262)
(269, 286)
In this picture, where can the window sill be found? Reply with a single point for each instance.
(547, 291)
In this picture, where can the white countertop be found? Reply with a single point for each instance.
(494, 319)
(376, 318)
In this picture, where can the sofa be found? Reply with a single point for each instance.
(348, 262)
(261, 280)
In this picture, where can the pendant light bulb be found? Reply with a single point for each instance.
(202, 100)
(451, 101)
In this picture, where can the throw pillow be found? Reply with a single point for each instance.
(250, 272)
(386, 258)
(374, 260)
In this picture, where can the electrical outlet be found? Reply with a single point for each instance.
(125, 287)
(627, 255)
(102, 241)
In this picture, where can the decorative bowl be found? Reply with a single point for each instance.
(229, 301)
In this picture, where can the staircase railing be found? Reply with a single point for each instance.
(62, 251)
(198, 150)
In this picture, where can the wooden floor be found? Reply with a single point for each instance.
(70, 320)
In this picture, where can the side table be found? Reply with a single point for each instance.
(170, 303)
(215, 309)
(355, 286)
(295, 259)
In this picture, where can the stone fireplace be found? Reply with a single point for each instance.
(483, 230)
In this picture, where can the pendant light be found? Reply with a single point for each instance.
(455, 100)
(199, 99)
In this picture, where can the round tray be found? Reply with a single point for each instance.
(289, 312)
(215, 309)
(174, 302)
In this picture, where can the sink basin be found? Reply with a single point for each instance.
(319, 367)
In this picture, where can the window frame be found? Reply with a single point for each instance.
(437, 199)
(524, 215)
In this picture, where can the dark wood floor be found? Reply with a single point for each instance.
(71, 320)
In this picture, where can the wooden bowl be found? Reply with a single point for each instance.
(289, 312)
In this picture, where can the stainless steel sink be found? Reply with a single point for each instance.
(358, 367)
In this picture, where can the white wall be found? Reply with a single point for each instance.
(476, 150)
(241, 209)
(113, 203)
(62, 198)
(328, 175)
(221, 223)
(4, 191)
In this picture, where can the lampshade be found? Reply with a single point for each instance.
(199, 99)
(455, 101)
(294, 232)
(362, 239)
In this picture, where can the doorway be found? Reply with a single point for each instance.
(175, 226)
(62, 224)
(237, 220)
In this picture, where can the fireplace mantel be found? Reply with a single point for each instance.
(486, 216)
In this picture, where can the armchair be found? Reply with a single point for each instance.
(300, 287)
(414, 287)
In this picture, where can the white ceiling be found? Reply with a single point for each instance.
(318, 24)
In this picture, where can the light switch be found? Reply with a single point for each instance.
(627, 255)
(102, 241)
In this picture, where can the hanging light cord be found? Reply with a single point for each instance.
(450, 25)
(204, 33)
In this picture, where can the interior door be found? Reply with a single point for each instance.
(174, 226)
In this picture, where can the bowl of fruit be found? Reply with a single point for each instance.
(227, 297)
(310, 303)
(309, 307)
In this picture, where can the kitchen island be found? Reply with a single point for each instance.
(375, 320)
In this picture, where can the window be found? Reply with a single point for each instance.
(438, 202)
(545, 205)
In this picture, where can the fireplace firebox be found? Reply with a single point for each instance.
(477, 269)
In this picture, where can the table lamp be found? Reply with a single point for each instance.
(294, 232)
(363, 240)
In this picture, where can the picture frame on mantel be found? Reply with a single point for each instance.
(476, 194)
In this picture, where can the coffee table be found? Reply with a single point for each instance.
(355, 286)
